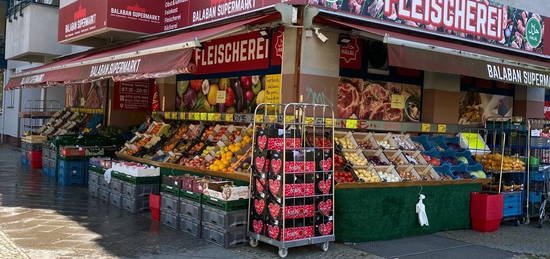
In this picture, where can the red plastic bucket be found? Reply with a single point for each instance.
(154, 205)
(486, 211)
(35, 158)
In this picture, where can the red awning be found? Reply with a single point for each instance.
(154, 58)
(410, 51)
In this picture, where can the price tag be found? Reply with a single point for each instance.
(259, 118)
(182, 116)
(272, 118)
(229, 117)
(308, 120)
(167, 115)
(220, 97)
(210, 117)
(197, 116)
(425, 127)
(289, 119)
(203, 116)
(535, 133)
(329, 122)
(474, 140)
(442, 128)
(191, 116)
(351, 124)
(217, 116)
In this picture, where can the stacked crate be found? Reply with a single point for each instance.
(224, 222)
(95, 176)
(49, 159)
(131, 193)
(72, 171)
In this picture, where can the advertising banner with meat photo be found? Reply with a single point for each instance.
(478, 107)
(227, 95)
(88, 95)
(377, 100)
(479, 20)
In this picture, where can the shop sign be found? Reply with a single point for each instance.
(277, 47)
(351, 55)
(249, 51)
(133, 95)
(517, 76)
(115, 68)
(34, 79)
(484, 21)
(84, 17)
(185, 13)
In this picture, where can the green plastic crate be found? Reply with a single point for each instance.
(170, 189)
(225, 205)
(193, 196)
(140, 180)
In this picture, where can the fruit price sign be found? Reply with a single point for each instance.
(133, 95)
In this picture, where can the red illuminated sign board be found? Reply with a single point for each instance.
(85, 17)
(249, 51)
(133, 95)
(351, 55)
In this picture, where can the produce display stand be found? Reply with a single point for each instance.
(292, 179)
(539, 182)
(511, 139)
(382, 211)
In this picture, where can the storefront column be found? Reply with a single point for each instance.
(529, 102)
(167, 93)
(320, 66)
(441, 98)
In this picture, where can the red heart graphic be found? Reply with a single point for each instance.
(273, 231)
(260, 183)
(326, 207)
(258, 226)
(259, 205)
(325, 186)
(262, 140)
(274, 187)
(276, 165)
(326, 229)
(260, 162)
(274, 210)
(326, 164)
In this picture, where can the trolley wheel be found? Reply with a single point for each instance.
(253, 242)
(517, 222)
(325, 246)
(283, 252)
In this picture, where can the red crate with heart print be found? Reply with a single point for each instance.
(300, 211)
(298, 233)
(299, 189)
(299, 167)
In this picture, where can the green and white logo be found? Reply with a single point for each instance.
(533, 32)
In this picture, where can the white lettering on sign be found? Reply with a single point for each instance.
(34, 79)
(468, 16)
(224, 9)
(80, 23)
(135, 14)
(122, 67)
(518, 76)
(232, 52)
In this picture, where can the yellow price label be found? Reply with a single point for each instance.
(210, 117)
(289, 119)
(272, 118)
(259, 118)
(229, 117)
(191, 116)
(182, 115)
(425, 127)
(442, 128)
(197, 116)
(203, 116)
(217, 116)
(351, 124)
(308, 120)
(474, 140)
(329, 122)
(167, 115)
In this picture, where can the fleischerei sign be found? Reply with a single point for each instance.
(484, 21)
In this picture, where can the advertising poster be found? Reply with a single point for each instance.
(478, 107)
(133, 95)
(88, 95)
(547, 104)
(485, 21)
(378, 100)
(225, 95)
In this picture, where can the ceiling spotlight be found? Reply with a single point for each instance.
(344, 39)
(322, 37)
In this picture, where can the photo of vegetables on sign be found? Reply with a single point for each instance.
(480, 20)
(378, 100)
(224, 95)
